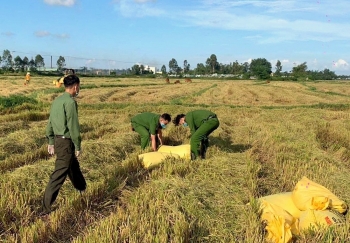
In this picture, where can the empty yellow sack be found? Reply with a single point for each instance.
(279, 223)
(285, 201)
(153, 159)
(316, 219)
(310, 195)
(184, 151)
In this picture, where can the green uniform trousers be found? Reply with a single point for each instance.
(66, 164)
(144, 134)
(202, 133)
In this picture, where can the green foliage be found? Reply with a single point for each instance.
(15, 100)
(261, 68)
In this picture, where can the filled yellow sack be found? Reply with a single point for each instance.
(184, 151)
(315, 219)
(285, 201)
(153, 159)
(279, 223)
(310, 195)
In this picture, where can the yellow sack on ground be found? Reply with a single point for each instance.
(279, 223)
(285, 201)
(310, 195)
(183, 150)
(316, 219)
(153, 159)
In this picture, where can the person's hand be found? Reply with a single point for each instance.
(78, 153)
(51, 149)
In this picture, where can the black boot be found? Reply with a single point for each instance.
(193, 157)
(204, 147)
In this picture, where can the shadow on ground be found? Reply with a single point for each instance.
(226, 145)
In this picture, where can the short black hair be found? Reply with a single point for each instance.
(166, 117)
(69, 71)
(177, 119)
(70, 80)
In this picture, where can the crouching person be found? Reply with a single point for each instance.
(149, 126)
(201, 124)
(63, 132)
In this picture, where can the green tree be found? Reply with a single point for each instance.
(261, 68)
(328, 74)
(25, 62)
(39, 61)
(135, 69)
(186, 66)
(18, 63)
(173, 67)
(163, 70)
(278, 68)
(61, 63)
(32, 65)
(212, 62)
(200, 69)
(142, 69)
(237, 68)
(7, 60)
(300, 70)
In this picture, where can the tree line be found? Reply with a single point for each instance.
(259, 68)
(18, 64)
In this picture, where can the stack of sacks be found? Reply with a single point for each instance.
(310, 205)
(153, 159)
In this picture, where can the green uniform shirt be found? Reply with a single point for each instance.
(64, 121)
(195, 119)
(148, 120)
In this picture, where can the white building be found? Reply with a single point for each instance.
(148, 68)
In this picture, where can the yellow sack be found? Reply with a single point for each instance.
(316, 219)
(152, 159)
(279, 223)
(183, 150)
(285, 201)
(310, 195)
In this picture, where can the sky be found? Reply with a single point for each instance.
(117, 34)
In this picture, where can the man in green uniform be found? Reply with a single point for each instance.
(63, 132)
(201, 124)
(150, 125)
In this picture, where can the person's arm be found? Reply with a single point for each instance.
(154, 144)
(49, 133)
(51, 136)
(73, 124)
(190, 121)
(160, 137)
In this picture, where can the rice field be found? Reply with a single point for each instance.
(270, 135)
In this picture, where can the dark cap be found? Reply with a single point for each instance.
(70, 80)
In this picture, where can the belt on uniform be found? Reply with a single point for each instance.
(209, 117)
(61, 136)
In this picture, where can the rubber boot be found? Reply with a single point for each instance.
(204, 147)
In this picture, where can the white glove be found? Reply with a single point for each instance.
(51, 149)
(78, 153)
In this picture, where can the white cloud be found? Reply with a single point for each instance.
(61, 36)
(66, 3)
(42, 33)
(138, 8)
(7, 33)
(341, 63)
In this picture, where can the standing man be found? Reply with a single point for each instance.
(63, 132)
(27, 78)
(150, 125)
(201, 124)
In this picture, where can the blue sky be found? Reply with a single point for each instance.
(120, 33)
